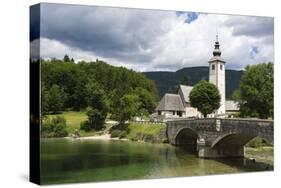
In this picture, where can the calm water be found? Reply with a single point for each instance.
(68, 161)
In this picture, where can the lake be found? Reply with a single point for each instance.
(70, 161)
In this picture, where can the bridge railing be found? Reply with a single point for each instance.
(246, 122)
(264, 127)
(195, 123)
(231, 120)
(220, 124)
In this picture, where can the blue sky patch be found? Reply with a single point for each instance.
(190, 16)
(253, 52)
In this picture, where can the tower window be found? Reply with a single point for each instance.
(221, 66)
(213, 66)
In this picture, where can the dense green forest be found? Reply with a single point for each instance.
(66, 85)
(168, 81)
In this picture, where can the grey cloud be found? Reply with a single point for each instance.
(109, 32)
(251, 26)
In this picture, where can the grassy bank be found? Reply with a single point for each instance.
(262, 154)
(73, 120)
(136, 132)
(146, 132)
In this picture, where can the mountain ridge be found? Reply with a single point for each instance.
(167, 81)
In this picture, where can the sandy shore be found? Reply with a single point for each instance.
(99, 137)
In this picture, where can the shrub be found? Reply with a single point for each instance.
(256, 142)
(165, 140)
(54, 127)
(122, 134)
(85, 126)
(133, 139)
(115, 133)
(148, 138)
(60, 130)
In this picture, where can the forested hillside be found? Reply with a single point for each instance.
(66, 85)
(168, 81)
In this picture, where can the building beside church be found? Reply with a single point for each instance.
(178, 105)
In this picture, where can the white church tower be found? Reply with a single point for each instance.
(217, 75)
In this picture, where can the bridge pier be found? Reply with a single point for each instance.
(209, 152)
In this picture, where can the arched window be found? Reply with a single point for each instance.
(221, 66)
(213, 66)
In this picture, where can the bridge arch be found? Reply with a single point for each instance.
(187, 139)
(232, 140)
(235, 139)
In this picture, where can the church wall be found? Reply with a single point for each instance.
(217, 77)
(221, 86)
(191, 112)
(168, 114)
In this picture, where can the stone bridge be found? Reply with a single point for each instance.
(214, 138)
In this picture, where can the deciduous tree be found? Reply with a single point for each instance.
(53, 99)
(256, 91)
(205, 97)
(98, 106)
(128, 108)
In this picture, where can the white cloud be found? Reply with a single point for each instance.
(56, 49)
(162, 41)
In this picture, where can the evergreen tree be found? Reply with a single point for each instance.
(66, 58)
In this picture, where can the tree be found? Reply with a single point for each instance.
(44, 98)
(184, 80)
(236, 95)
(205, 97)
(96, 118)
(53, 99)
(98, 106)
(256, 91)
(147, 100)
(66, 58)
(128, 108)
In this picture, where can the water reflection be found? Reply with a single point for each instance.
(65, 161)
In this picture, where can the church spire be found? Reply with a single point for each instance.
(217, 51)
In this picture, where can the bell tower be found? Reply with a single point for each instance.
(217, 75)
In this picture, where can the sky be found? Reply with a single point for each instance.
(152, 40)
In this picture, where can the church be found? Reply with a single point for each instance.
(178, 105)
